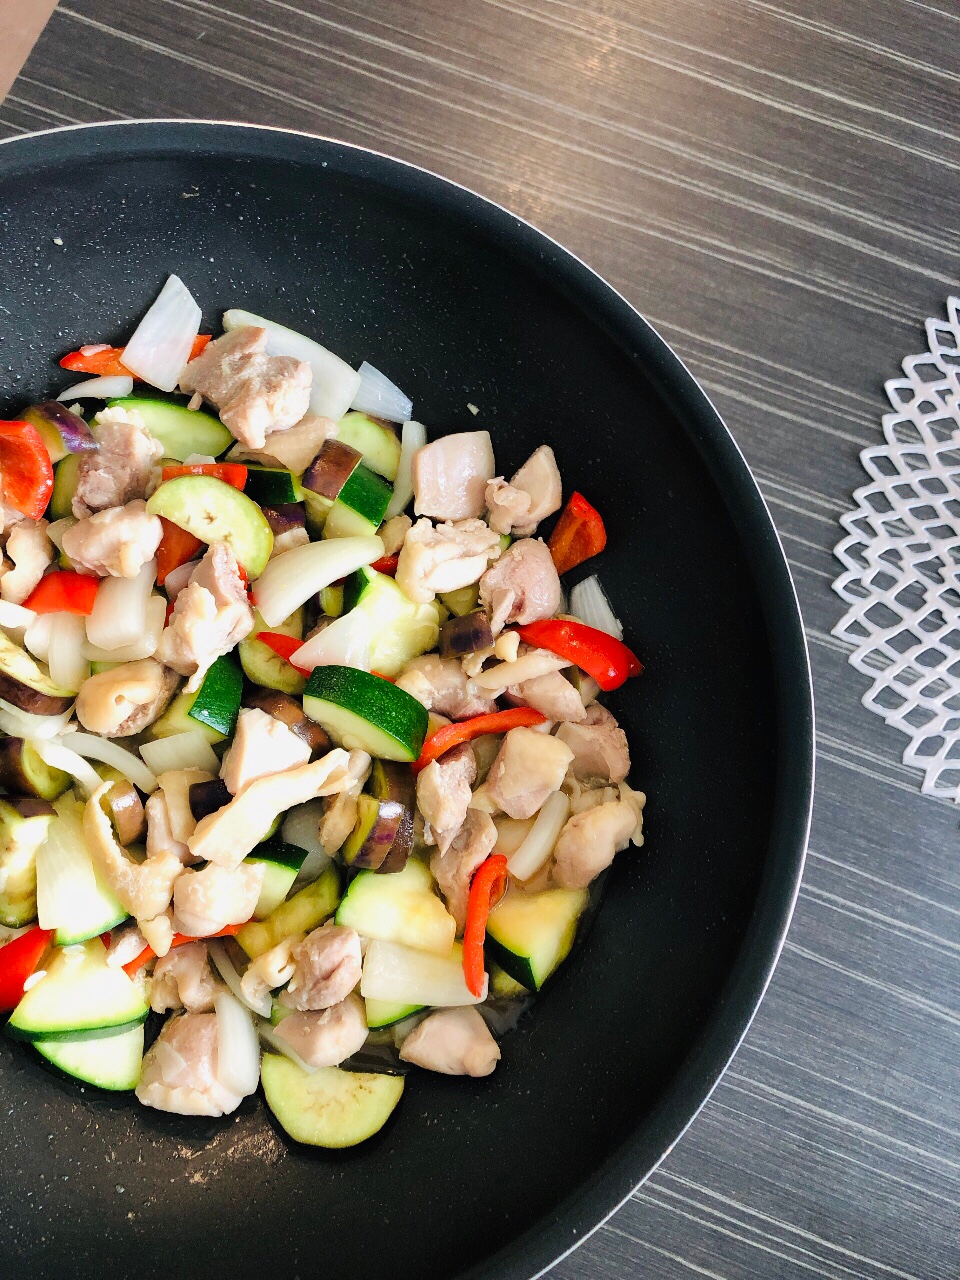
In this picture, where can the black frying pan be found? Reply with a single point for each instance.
(459, 302)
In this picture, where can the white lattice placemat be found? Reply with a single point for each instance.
(901, 559)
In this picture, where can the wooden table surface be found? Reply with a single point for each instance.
(776, 185)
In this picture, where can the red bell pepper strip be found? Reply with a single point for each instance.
(451, 735)
(604, 657)
(387, 565)
(106, 362)
(26, 472)
(232, 473)
(486, 889)
(179, 940)
(578, 535)
(64, 592)
(282, 646)
(177, 546)
(18, 960)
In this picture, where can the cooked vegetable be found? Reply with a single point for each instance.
(71, 897)
(208, 797)
(359, 507)
(216, 512)
(299, 914)
(120, 385)
(18, 962)
(486, 888)
(110, 1062)
(80, 992)
(103, 360)
(410, 975)
(178, 940)
(178, 720)
(462, 601)
(577, 535)
(263, 664)
(536, 847)
(390, 781)
(602, 656)
(378, 395)
(284, 647)
(466, 634)
(284, 517)
(289, 712)
(125, 805)
(378, 824)
(64, 592)
(23, 829)
(399, 908)
(530, 934)
(93, 747)
(66, 476)
(26, 473)
(23, 773)
(377, 442)
(188, 750)
(217, 701)
(386, 1013)
(413, 436)
(162, 342)
(328, 1107)
(451, 735)
(61, 430)
(272, 486)
(361, 710)
(177, 547)
(398, 628)
(290, 579)
(589, 603)
(118, 614)
(331, 469)
(282, 863)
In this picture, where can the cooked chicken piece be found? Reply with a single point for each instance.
(180, 1069)
(211, 615)
(126, 944)
(340, 810)
(455, 1042)
(326, 1039)
(328, 964)
(551, 694)
(523, 586)
(269, 971)
(261, 745)
(160, 837)
(227, 836)
(599, 746)
(9, 516)
(526, 666)
(177, 579)
(443, 794)
(442, 686)
(183, 979)
(30, 549)
(144, 888)
(125, 699)
(158, 932)
(254, 392)
(453, 870)
(533, 494)
(206, 901)
(506, 506)
(125, 467)
(116, 542)
(584, 798)
(529, 766)
(445, 557)
(175, 785)
(293, 449)
(393, 533)
(451, 474)
(588, 842)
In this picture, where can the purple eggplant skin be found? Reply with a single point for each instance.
(62, 430)
(465, 635)
(208, 797)
(372, 839)
(289, 712)
(401, 848)
(31, 806)
(331, 469)
(286, 516)
(26, 698)
(23, 773)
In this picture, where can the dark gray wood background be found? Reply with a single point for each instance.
(776, 185)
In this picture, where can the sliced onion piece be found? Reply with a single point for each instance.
(25, 724)
(190, 750)
(378, 396)
(119, 616)
(292, 577)
(57, 756)
(225, 967)
(413, 436)
(15, 616)
(269, 1036)
(238, 1046)
(68, 667)
(543, 835)
(108, 752)
(143, 647)
(99, 389)
(334, 382)
(589, 603)
(301, 827)
(36, 638)
(392, 971)
(162, 341)
(58, 528)
(345, 642)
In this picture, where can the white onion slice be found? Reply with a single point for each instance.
(25, 724)
(381, 397)
(58, 528)
(119, 616)
(301, 827)
(345, 642)
(269, 1035)
(334, 382)
(68, 667)
(144, 647)
(395, 972)
(225, 967)
(190, 750)
(99, 389)
(238, 1046)
(15, 616)
(57, 756)
(36, 638)
(541, 838)
(162, 341)
(589, 603)
(292, 577)
(92, 747)
(413, 436)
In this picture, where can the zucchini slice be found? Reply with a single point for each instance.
(361, 711)
(399, 629)
(21, 835)
(262, 665)
(272, 486)
(359, 508)
(216, 703)
(109, 1062)
(379, 444)
(402, 908)
(26, 684)
(180, 430)
(79, 993)
(303, 912)
(23, 773)
(216, 512)
(530, 934)
(328, 1107)
(281, 863)
(66, 477)
(385, 1013)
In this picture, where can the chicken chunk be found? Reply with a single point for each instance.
(453, 869)
(600, 749)
(523, 586)
(393, 533)
(116, 542)
(143, 888)
(442, 686)
(589, 840)
(160, 837)
(269, 971)
(180, 1069)
(126, 944)
(328, 964)
(445, 557)
(255, 393)
(210, 616)
(525, 666)
(533, 494)
(455, 1042)
(261, 745)
(451, 474)
(125, 699)
(30, 549)
(552, 695)
(443, 794)
(206, 901)
(326, 1039)
(529, 767)
(183, 979)
(124, 468)
(294, 449)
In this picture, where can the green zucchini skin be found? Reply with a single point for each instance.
(361, 710)
(180, 430)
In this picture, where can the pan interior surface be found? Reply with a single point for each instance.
(460, 305)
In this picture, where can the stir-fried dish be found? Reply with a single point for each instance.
(304, 748)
